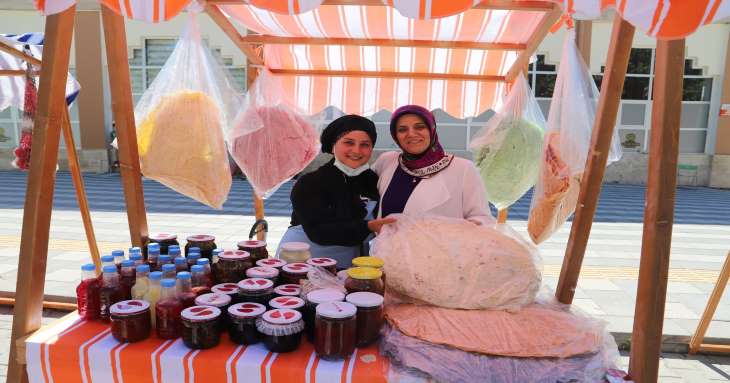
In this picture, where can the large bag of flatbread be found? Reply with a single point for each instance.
(456, 263)
(567, 143)
(181, 119)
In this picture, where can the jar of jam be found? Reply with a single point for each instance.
(243, 318)
(205, 242)
(230, 289)
(328, 263)
(294, 303)
(292, 273)
(281, 329)
(289, 290)
(263, 272)
(271, 262)
(257, 290)
(164, 240)
(314, 298)
(201, 327)
(364, 279)
(221, 301)
(110, 291)
(231, 266)
(369, 316)
(167, 311)
(257, 249)
(374, 262)
(293, 252)
(200, 282)
(131, 320)
(87, 293)
(335, 329)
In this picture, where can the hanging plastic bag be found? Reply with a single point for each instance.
(567, 143)
(270, 141)
(507, 150)
(181, 120)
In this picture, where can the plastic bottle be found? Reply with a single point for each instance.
(199, 280)
(192, 249)
(164, 259)
(135, 249)
(153, 292)
(107, 260)
(87, 293)
(184, 289)
(168, 271)
(153, 254)
(181, 264)
(118, 258)
(127, 278)
(214, 256)
(205, 262)
(141, 283)
(192, 258)
(110, 292)
(167, 311)
(138, 259)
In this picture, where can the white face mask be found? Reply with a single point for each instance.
(350, 172)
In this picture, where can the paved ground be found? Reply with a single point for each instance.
(607, 287)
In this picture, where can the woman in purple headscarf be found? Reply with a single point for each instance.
(425, 179)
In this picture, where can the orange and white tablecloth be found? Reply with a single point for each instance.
(73, 350)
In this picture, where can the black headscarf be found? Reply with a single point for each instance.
(344, 125)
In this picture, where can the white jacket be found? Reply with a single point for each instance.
(456, 191)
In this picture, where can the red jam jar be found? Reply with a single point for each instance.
(294, 303)
(164, 240)
(243, 318)
(281, 329)
(230, 289)
(335, 330)
(314, 298)
(257, 249)
(364, 279)
(201, 327)
(221, 301)
(231, 266)
(289, 290)
(271, 262)
(205, 242)
(292, 273)
(87, 293)
(369, 316)
(263, 272)
(328, 263)
(130, 320)
(167, 311)
(257, 290)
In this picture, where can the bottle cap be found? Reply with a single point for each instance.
(197, 269)
(110, 269)
(155, 275)
(168, 282)
(143, 268)
(183, 275)
(88, 267)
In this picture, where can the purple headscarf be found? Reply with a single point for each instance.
(421, 163)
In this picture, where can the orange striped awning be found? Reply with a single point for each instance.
(72, 350)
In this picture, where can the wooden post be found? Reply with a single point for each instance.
(583, 32)
(590, 188)
(695, 344)
(123, 112)
(28, 309)
(656, 243)
(502, 215)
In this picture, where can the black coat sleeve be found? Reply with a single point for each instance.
(319, 213)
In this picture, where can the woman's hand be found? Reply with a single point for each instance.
(376, 224)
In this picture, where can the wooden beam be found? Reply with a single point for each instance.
(656, 241)
(225, 25)
(266, 39)
(19, 54)
(33, 256)
(63, 306)
(715, 348)
(699, 336)
(511, 5)
(502, 215)
(123, 113)
(590, 188)
(583, 35)
(547, 21)
(398, 75)
(15, 72)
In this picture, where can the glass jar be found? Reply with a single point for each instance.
(231, 266)
(364, 279)
(314, 298)
(271, 262)
(281, 329)
(131, 320)
(263, 272)
(335, 329)
(374, 262)
(205, 242)
(257, 290)
(288, 290)
(221, 301)
(230, 289)
(201, 327)
(293, 252)
(294, 303)
(243, 318)
(164, 240)
(369, 316)
(257, 249)
(292, 273)
(328, 263)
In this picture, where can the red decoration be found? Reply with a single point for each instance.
(22, 152)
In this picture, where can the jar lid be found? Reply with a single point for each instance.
(282, 316)
(200, 313)
(322, 262)
(368, 262)
(163, 237)
(336, 310)
(255, 284)
(252, 243)
(246, 310)
(234, 255)
(325, 295)
(127, 263)
(107, 258)
(286, 303)
(225, 288)
(181, 261)
(365, 299)
(271, 262)
(295, 246)
(130, 307)
(200, 238)
(297, 268)
(88, 267)
(213, 299)
(364, 273)
(262, 272)
(118, 253)
(288, 290)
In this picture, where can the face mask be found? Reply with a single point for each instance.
(350, 172)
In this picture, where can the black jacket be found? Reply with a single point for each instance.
(328, 205)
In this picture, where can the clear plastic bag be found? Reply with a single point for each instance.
(507, 149)
(181, 119)
(455, 263)
(270, 141)
(567, 143)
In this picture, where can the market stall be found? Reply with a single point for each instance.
(399, 82)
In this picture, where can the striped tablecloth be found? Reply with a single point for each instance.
(73, 350)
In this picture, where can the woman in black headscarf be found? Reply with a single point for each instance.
(333, 205)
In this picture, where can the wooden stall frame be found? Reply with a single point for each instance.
(696, 344)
